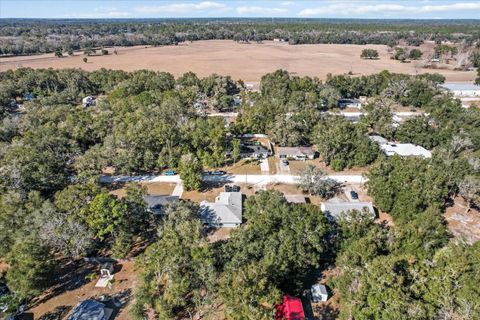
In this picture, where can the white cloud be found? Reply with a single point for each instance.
(261, 10)
(101, 12)
(182, 7)
(352, 9)
(287, 3)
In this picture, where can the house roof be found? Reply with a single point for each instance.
(227, 209)
(295, 151)
(458, 86)
(295, 198)
(402, 149)
(90, 310)
(158, 201)
(290, 309)
(335, 209)
(319, 290)
(378, 139)
(405, 150)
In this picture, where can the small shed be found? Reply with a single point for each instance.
(319, 293)
(88, 101)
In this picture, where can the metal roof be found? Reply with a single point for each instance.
(458, 86)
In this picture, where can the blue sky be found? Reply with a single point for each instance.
(421, 9)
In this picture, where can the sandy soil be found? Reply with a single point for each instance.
(125, 281)
(462, 223)
(297, 166)
(248, 62)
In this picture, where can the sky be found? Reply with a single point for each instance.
(388, 9)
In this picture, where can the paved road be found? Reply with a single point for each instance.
(238, 178)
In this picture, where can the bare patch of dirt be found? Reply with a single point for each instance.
(122, 290)
(297, 166)
(462, 223)
(248, 62)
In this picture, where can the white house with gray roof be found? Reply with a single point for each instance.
(226, 211)
(401, 149)
(334, 210)
(460, 89)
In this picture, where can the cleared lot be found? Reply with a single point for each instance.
(248, 62)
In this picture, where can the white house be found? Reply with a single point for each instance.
(401, 149)
(350, 103)
(297, 153)
(226, 211)
(463, 89)
(319, 293)
(405, 150)
(334, 210)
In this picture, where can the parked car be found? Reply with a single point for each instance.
(354, 195)
(232, 188)
(285, 162)
(217, 172)
(169, 172)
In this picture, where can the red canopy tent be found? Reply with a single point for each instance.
(290, 309)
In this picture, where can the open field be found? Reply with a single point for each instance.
(248, 62)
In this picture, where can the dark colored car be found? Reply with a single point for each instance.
(285, 162)
(217, 173)
(354, 195)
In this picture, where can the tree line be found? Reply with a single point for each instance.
(30, 36)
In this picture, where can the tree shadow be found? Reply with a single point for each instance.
(58, 313)
(69, 276)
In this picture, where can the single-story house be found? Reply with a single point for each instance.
(90, 310)
(254, 152)
(297, 153)
(226, 211)
(290, 309)
(319, 293)
(333, 210)
(156, 204)
(463, 89)
(401, 149)
(295, 198)
(349, 103)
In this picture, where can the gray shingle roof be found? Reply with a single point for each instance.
(227, 209)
